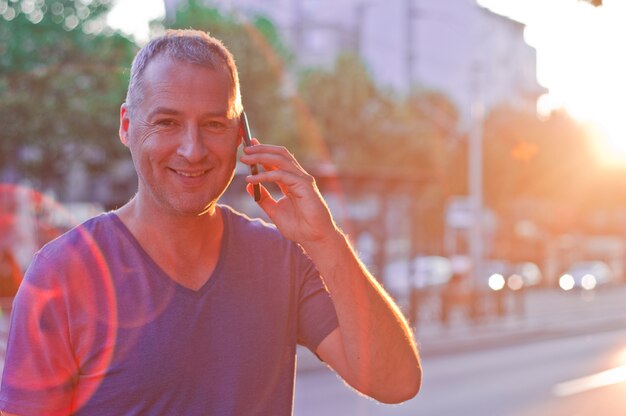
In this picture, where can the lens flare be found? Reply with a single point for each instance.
(496, 282)
(566, 282)
(588, 282)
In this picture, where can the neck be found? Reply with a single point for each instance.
(174, 233)
(186, 248)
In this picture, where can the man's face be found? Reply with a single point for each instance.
(183, 136)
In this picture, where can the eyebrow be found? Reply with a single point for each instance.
(174, 112)
(162, 110)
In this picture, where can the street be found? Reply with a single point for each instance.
(575, 375)
(563, 356)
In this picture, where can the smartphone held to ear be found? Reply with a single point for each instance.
(247, 141)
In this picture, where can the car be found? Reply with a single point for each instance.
(524, 275)
(586, 275)
(396, 278)
(431, 271)
(417, 284)
(425, 271)
(479, 294)
(494, 271)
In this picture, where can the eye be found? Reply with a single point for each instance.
(215, 125)
(166, 122)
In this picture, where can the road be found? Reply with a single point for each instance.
(569, 376)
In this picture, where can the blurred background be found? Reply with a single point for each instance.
(473, 150)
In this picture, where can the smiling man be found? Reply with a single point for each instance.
(175, 304)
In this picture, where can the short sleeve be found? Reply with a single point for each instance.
(39, 370)
(316, 313)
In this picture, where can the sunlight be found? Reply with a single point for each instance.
(579, 62)
(132, 16)
(610, 142)
(580, 385)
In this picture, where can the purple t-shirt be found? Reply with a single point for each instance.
(97, 328)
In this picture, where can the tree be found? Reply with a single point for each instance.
(344, 107)
(547, 164)
(525, 156)
(62, 79)
(368, 130)
(403, 142)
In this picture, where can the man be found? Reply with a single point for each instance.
(174, 304)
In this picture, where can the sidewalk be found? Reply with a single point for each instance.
(549, 313)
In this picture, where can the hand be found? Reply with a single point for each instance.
(300, 214)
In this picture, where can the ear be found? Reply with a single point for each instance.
(240, 134)
(124, 124)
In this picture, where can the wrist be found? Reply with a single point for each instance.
(331, 245)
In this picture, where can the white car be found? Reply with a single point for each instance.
(426, 271)
(431, 271)
(586, 275)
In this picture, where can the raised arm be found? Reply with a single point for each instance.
(373, 349)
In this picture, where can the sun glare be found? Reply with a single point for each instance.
(581, 63)
(610, 142)
(132, 16)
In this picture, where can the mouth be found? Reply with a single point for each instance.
(190, 174)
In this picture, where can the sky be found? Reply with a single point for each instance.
(581, 57)
(132, 16)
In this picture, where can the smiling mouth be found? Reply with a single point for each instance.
(190, 174)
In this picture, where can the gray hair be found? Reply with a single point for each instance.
(189, 46)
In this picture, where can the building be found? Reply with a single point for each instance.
(453, 46)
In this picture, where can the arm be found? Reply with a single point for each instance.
(373, 348)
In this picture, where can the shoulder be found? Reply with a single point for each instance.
(239, 224)
(78, 252)
(258, 237)
(84, 237)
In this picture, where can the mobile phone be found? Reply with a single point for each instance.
(247, 141)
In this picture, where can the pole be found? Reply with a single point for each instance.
(476, 188)
(476, 239)
(411, 13)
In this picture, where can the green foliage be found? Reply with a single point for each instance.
(43, 32)
(368, 130)
(401, 144)
(340, 104)
(61, 85)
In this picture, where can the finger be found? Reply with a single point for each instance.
(264, 191)
(276, 176)
(254, 142)
(288, 182)
(270, 149)
(273, 161)
(267, 202)
(278, 152)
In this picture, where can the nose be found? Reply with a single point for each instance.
(192, 146)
